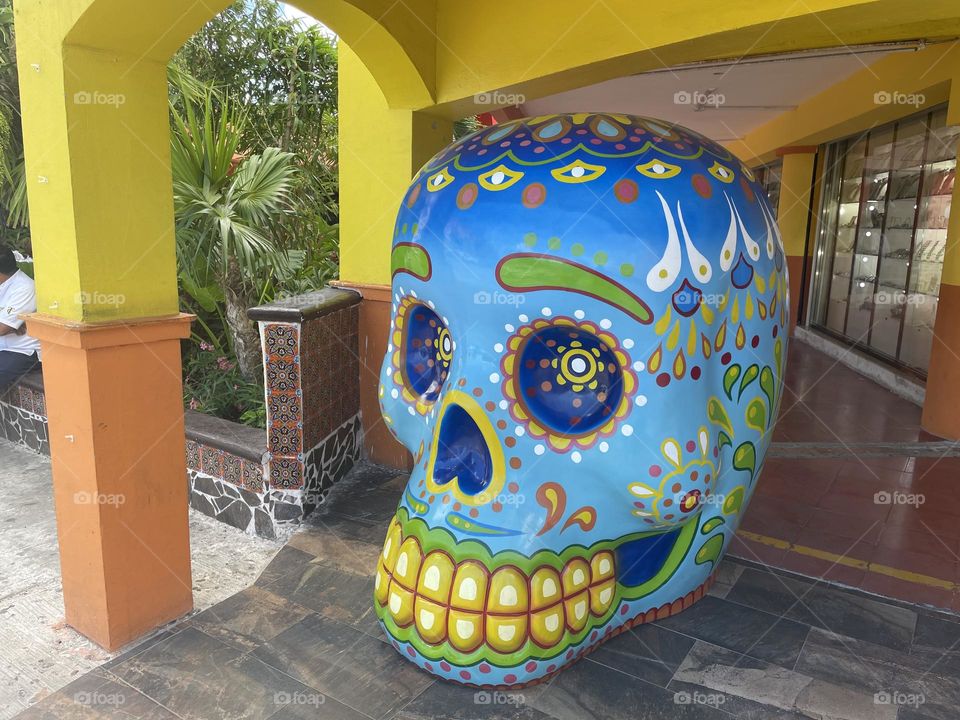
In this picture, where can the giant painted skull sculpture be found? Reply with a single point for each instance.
(585, 361)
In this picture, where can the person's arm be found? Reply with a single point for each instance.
(21, 300)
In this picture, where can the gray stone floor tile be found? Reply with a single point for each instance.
(337, 594)
(588, 691)
(751, 689)
(725, 577)
(288, 560)
(345, 664)
(249, 618)
(742, 629)
(446, 701)
(199, 677)
(878, 669)
(830, 608)
(649, 652)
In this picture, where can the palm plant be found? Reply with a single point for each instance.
(14, 220)
(227, 205)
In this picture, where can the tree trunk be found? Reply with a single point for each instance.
(246, 337)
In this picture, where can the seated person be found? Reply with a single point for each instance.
(19, 353)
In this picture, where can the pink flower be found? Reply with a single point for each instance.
(194, 403)
(206, 347)
(224, 364)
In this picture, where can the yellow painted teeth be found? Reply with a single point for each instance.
(467, 605)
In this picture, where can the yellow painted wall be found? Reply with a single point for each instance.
(794, 206)
(95, 127)
(380, 151)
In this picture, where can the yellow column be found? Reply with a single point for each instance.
(793, 215)
(98, 173)
(940, 414)
(380, 151)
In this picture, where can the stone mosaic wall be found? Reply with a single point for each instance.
(23, 418)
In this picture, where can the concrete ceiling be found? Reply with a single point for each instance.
(721, 101)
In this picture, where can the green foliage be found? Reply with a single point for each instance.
(285, 75)
(14, 220)
(213, 385)
(225, 204)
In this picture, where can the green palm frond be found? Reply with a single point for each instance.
(225, 205)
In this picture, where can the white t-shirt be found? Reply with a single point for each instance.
(18, 295)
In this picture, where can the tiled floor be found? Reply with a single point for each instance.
(303, 643)
(825, 401)
(830, 505)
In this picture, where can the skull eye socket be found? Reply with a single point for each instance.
(427, 352)
(569, 379)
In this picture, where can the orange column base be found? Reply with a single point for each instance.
(378, 442)
(795, 268)
(115, 411)
(941, 406)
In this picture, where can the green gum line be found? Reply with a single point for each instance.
(431, 539)
(522, 273)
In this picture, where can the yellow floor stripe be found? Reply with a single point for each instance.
(905, 575)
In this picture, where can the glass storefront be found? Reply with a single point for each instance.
(769, 177)
(882, 236)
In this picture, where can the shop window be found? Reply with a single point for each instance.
(882, 236)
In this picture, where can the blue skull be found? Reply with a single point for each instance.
(585, 360)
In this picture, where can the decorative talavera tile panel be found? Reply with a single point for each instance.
(257, 509)
(281, 350)
(312, 384)
(220, 464)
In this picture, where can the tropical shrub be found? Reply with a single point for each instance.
(14, 220)
(226, 205)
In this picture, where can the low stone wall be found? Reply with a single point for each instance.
(23, 414)
(225, 468)
(259, 481)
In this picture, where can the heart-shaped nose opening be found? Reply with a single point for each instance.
(462, 453)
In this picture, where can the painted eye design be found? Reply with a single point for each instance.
(721, 172)
(661, 130)
(578, 172)
(439, 180)
(427, 353)
(553, 130)
(608, 128)
(500, 178)
(569, 380)
(658, 169)
(500, 133)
